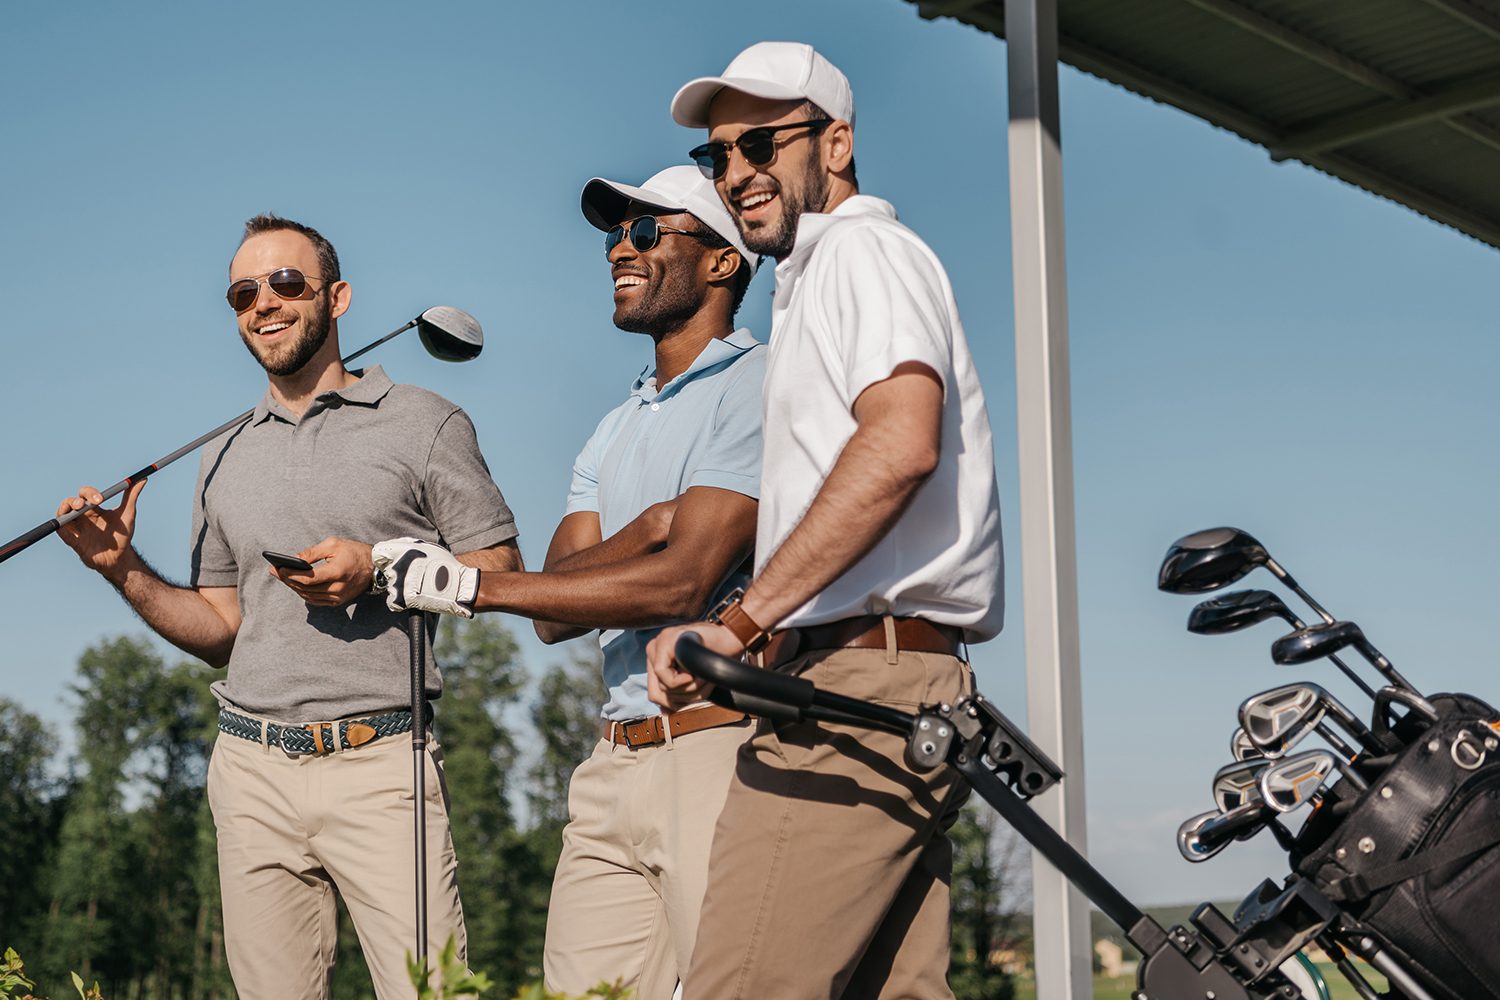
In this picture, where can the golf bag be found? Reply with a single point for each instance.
(1414, 861)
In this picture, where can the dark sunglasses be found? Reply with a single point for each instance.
(287, 282)
(756, 145)
(645, 232)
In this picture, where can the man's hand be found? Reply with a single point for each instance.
(672, 687)
(101, 537)
(420, 576)
(341, 572)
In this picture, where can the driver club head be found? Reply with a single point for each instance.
(450, 334)
(1208, 560)
(1277, 719)
(1293, 781)
(1315, 642)
(1232, 612)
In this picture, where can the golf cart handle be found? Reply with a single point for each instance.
(738, 685)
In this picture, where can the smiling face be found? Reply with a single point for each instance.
(766, 201)
(285, 334)
(656, 292)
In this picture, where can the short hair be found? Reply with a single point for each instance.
(812, 110)
(270, 222)
(742, 277)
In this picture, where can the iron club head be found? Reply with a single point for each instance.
(1240, 747)
(1232, 612)
(1208, 560)
(450, 334)
(1287, 784)
(1234, 783)
(1278, 719)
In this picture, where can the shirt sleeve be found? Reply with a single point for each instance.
(211, 560)
(458, 495)
(583, 491)
(732, 458)
(890, 307)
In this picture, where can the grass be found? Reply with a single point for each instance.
(1119, 987)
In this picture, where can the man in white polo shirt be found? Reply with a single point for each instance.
(660, 517)
(877, 547)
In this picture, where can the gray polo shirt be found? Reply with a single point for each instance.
(370, 462)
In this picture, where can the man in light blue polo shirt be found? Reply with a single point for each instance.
(660, 523)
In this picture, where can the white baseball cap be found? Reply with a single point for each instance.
(675, 189)
(777, 71)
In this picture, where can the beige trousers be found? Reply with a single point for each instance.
(831, 861)
(629, 883)
(292, 831)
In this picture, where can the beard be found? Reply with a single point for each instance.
(289, 359)
(669, 302)
(776, 238)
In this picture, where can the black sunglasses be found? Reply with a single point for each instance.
(645, 232)
(287, 282)
(757, 145)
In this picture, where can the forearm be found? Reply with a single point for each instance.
(869, 487)
(502, 558)
(179, 615)
(630, 542)
(643, 592)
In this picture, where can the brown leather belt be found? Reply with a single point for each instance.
(653, 730)
(913, 635)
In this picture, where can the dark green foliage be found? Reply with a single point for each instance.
(986, 923)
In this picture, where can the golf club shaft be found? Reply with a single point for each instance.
(1359, 682)
(416, 635)
(25, 541)
(1292, 585)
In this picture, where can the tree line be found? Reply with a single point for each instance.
(107, 856)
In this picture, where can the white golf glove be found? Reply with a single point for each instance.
(419, 576)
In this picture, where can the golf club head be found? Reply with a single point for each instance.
(1315, 642)
(450, 334)
(1208, 560)
(1276, 720)
(1289, 783)
(1232, 612)
(1235, 784)
(1188, 842)
(1240, 747)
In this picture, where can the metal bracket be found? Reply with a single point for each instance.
(983, 731)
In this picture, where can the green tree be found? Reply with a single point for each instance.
(29, 812)
(987, 865)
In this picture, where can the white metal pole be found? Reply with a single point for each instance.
(1048, 548)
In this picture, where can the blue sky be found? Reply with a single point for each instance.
(1252, 344)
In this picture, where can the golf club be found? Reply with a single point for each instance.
(1278, 719)
(1204, 835)
(1243, 608)
(1316, 641)
(449, 334)
(1209, 560)
(1413, 702)
(1240, 747)
(1289, 783)
(1238, 783)
(417, 639)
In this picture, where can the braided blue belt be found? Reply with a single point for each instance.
(316, 738)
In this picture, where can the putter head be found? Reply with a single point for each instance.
(1315, 642)
(1240, 747)
(1208, 560)
(1188, 842)
(1235, 784)
(1289, 783)
(450, 334)
(1235, 611)
(1276, 720)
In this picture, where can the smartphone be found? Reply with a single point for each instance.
(281, 561)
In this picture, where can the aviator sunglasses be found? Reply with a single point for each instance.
(644, 232)
(756, 145)
(286, 282)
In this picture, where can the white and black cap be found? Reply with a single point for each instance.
(675, 189)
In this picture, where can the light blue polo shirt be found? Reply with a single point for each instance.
(700, 429)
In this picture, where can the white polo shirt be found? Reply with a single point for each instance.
(860, 294)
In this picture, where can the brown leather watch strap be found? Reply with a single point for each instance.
(733, 616)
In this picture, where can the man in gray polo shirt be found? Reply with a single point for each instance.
(311, 794)
(660, 518)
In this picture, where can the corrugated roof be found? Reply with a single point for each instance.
(1399, 97)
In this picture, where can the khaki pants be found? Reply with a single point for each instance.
(293, 830)
(629, 883)
(831, 862)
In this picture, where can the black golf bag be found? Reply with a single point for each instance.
(1414, 861)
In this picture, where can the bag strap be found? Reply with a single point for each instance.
(1356, 887)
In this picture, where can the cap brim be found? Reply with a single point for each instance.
(606, 202)
(690, 106)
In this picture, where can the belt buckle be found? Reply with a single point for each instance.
(316, 728)
(645, 724)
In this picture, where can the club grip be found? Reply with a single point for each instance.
(765, 689)
(25, 541)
